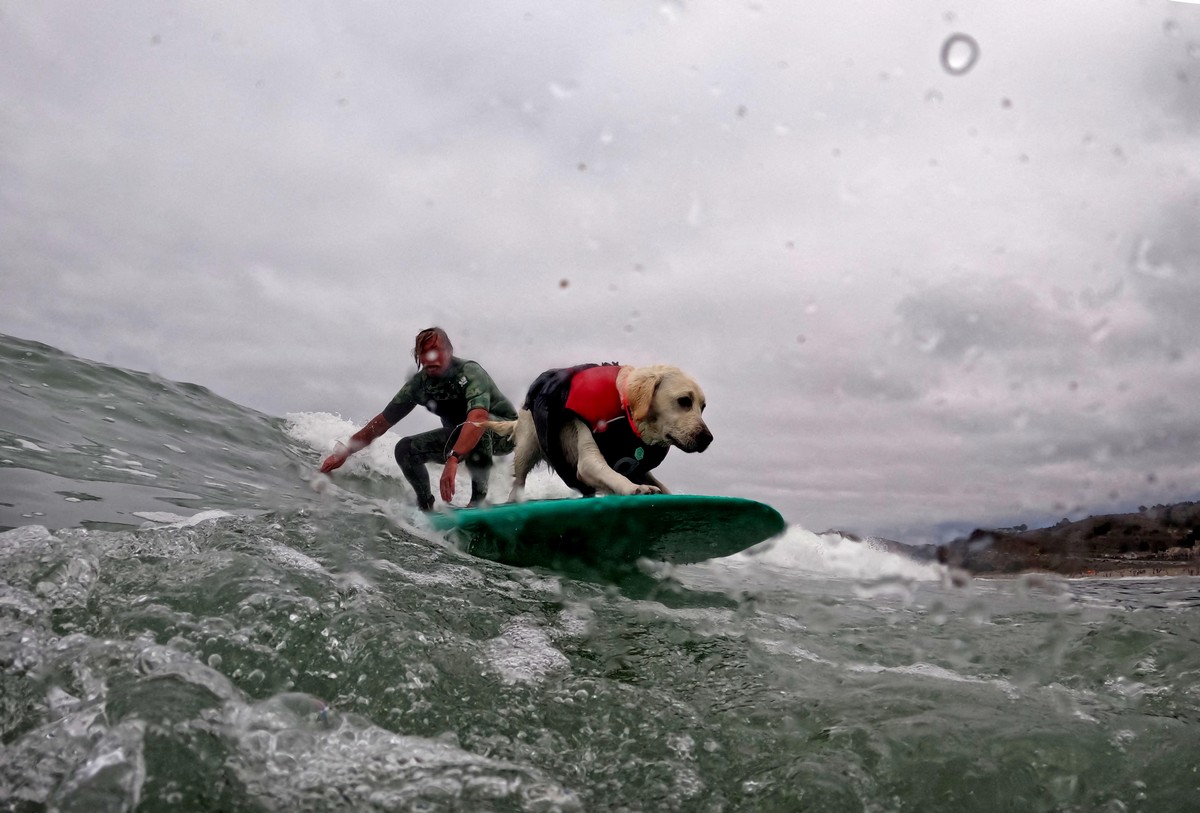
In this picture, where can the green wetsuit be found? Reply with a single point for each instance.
(466, 386)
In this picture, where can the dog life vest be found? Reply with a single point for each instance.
(589, 392)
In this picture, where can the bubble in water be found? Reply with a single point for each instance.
(960, 52)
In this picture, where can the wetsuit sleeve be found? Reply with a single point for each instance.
(478, 391)
(403, 402)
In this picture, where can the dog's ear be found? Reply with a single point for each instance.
(640, 393)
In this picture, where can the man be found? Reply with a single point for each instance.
(463, 395)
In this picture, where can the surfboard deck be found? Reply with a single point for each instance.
(676, 528)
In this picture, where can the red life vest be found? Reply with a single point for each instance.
(595, 398)
(589, 392)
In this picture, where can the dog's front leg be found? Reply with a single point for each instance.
(651, 480)
(592, 468)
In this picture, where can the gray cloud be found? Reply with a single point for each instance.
(914, 298)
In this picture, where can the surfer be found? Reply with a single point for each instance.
(463, 396)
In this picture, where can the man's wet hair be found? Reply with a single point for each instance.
(424, 338)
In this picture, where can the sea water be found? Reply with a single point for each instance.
(187, 624)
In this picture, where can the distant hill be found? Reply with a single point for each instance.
(1157, 541)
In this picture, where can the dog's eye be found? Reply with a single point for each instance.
(686, 402)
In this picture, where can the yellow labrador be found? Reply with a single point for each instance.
(603, 427)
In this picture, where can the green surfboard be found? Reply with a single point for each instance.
(676, 528)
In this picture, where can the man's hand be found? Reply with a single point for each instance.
(358, 441)
(335, 460)
(448, 475)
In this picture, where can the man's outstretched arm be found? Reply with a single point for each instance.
(358, 441)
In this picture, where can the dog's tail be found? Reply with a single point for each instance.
(504, 429)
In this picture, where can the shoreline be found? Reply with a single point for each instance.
(1158, 542)
(1157, 570)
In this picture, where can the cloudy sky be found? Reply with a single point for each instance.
(924, 286)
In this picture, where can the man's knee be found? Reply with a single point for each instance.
(404, 451)
(409, 452)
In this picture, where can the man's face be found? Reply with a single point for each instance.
(435, 357)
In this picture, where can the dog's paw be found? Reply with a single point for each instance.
(646, 490)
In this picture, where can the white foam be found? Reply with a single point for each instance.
(831, 554)
(522, 653)
(170, 520)
(138, 472)
(321, 431)
(919, 669)
(544, 484)
(444, 576)
(291, 557)
(928, 670)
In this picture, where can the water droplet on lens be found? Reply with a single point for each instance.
(960, 52)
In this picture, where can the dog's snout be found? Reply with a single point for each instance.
(703, 440)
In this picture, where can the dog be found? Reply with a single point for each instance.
(603, 427)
